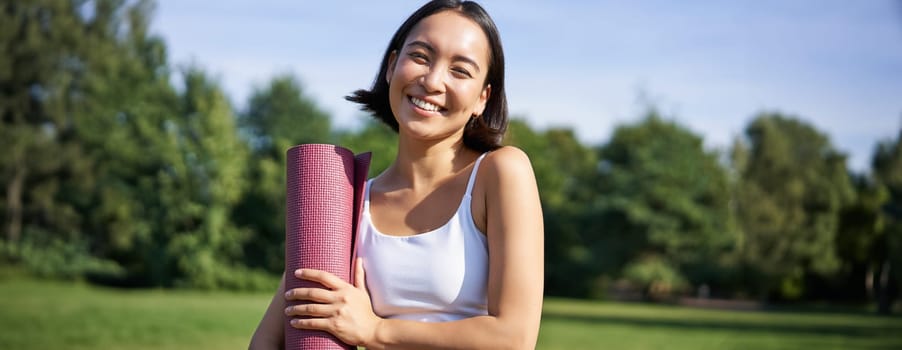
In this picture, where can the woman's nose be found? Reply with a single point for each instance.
(433, 81)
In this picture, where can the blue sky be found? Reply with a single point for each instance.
(590, 65)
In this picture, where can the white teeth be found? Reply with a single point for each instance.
(424, 105)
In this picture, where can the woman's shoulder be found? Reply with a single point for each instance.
(507, 162)
(505, 180)
(508, 156)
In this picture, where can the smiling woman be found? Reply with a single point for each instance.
(421, 43)
(438, 76)
(450, 243)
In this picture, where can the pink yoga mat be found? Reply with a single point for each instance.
(325, 186)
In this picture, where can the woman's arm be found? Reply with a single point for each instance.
(270, 333)
(513, 221)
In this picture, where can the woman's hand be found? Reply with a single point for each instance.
(344, 310)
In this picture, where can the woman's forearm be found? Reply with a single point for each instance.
(481, 332)
(270, 333)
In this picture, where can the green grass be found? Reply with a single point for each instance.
(568, 324)
(54, 315)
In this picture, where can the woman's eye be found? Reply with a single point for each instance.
(418, 57)
(462, 72)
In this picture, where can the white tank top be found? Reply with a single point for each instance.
(435, 276)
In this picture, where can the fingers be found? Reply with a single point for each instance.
(317, 295)
(311, 323)
(315, 310)
(359, 278)
(326, 279)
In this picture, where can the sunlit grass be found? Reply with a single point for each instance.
(568, 324)
(51, 315)
(55, 315)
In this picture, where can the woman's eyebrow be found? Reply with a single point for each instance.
(423, 45)
(431, 50)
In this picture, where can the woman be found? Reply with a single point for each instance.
(451, 239)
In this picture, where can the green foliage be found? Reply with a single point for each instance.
(127, 121)
(40, 73)
(58, 106)
(887, 249)
(861, 222)
(205, 182)
(659, 193)
(46, 256)
(112, 170)
(563, 168)
(859, 241)
(278, 117)
(280, 112)
(374, 137)
(791, 186)
(658, 277)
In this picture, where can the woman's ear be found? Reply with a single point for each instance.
(390, 70)
(483, 99)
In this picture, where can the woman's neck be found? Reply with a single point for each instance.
(422, 166)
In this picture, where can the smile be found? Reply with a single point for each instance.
(425, 105)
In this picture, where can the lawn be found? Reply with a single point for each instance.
(577, 324)
(54, 315)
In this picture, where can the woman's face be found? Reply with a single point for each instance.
(437, 78)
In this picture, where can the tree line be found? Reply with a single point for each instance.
(122, 168)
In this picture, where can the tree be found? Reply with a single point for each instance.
(64, 61)
(205, 180)
(374, 137)
(887, 169)
(35, 84)
(860, 241)
(125, 120)
(280, 114)
(660, 214)
(278, 117)
(791, 186)
(563, 167)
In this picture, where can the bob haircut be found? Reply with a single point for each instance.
(482, 133)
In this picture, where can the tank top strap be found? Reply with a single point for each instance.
(473, 172)
(366, 196)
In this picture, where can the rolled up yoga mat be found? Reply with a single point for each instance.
(325, 187)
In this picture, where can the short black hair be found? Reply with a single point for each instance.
(482, 134)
